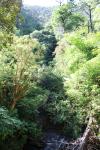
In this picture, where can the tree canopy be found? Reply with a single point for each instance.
(50, 76)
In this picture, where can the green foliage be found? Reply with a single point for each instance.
(17, 65)
(88, 8)
(41, 79)
(67, 17)
(8, 125)
(48, 40)
(11, 129)
(17, 82)
(33, 18)
(14, 132)
(28, 107)
(5, 39)
(51, 82)
(81, 75)
(74, 50)
(28, 23)
(96, 18)
(9, 10)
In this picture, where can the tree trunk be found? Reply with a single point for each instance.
(90, 20)
(88, 27)
(13, 104)
(86, 135)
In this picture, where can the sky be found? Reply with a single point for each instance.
(41, 2)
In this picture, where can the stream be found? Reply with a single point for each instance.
(52, 137)
(54, 141)
(51, 141)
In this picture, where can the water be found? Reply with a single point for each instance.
(54, 141)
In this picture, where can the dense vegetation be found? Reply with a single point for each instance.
(33, 18)
(49, 68)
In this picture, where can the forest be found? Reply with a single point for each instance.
(50, 76)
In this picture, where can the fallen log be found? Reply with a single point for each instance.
(81, 143)
(87, 142)
(86, 135)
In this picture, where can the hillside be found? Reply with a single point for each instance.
(33, 18)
